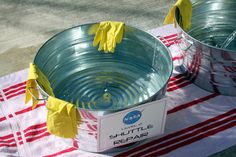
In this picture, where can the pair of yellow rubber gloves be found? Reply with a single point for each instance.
(185, 9)
(62, 117)
(107, 35)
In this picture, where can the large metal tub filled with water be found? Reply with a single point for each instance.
(210, 45)
(99, 83)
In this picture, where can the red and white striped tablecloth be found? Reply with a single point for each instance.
(198, 123)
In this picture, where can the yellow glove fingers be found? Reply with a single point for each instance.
(110, 38)
(62, 118)
(75, 119)
(119, 35)
(99, 34)
(104, 38)
(115, 35)
(169, 19)
(97, 38)
(31, 85)
(102, 45)
(105, 47)
(33, 75)
(185, 9)
(112, 46)
(35, 93)
(108, 34)
(27, 93)
(35, 101)
(104, 26)
(43, 80)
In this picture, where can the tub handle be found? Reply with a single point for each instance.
(190, 43)
(164, 40)
(34, 97)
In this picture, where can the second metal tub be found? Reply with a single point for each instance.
(206, 64)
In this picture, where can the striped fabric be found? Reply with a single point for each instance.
(14, 90)
(198, 123)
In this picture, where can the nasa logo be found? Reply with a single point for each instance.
(132, 117)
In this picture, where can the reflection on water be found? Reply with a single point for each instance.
(110, 84)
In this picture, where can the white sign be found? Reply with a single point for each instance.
(131, 125)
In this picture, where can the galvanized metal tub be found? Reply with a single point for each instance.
(206, 64)
(99, 83)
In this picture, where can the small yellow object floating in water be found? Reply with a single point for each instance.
(106, 97)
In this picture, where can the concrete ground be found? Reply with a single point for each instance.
(26, 24)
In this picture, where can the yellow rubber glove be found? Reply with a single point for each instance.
(185, 8)
(114, 35)
(36, 74)
(31, 84)
(107, 35)
(62, 118)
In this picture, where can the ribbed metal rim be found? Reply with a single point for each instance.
(196, 40)
(144, 101)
